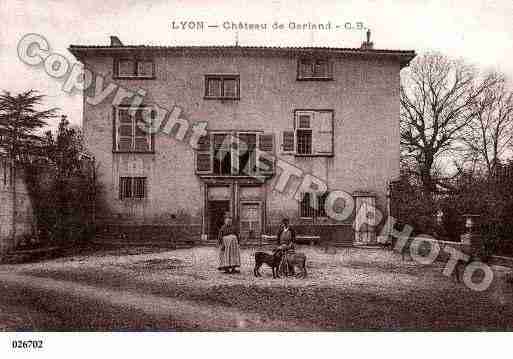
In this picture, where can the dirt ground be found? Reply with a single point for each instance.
(346, 288)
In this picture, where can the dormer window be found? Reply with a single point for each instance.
(315, 69)
(134, 68)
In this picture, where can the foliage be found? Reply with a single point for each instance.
(472, 192)
(20, 119)
(19, 122)
(410, 206)
(62, 186)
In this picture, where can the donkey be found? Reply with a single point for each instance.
(294, 260)
(272, 260)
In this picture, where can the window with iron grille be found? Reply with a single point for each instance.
(321, 201)
(306, 208)
(314, 69)
(134, 68)
(132, 187)
(132, 133)
(309, 202)
(4, 168)
(222, 87)
(304, 142)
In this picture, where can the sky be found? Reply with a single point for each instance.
(481, 32)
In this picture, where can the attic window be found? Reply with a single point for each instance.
(314, 69)
(222, 87)
(134, 68)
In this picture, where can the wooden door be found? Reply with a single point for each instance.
(364, 232)
(250, 220)
(216, 214)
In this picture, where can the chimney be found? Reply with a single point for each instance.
(367, 45)
(115, 41)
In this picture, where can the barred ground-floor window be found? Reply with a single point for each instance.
(132, 187)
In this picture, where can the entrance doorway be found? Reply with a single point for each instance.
(216, 214)
(250, 220)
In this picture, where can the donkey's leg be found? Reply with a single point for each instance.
(256, 270)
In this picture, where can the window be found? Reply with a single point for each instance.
(235, 153)
(309, 202)
(134, 68)
(126, 68)
(222, 87)
(247, 151)
(130, 134)
(132, 187)
(139, 187)
(287, 142)
(304, 142)
(321, 200)
(5, 166)
(222, 154)
(306, 208)
(315, 69)
(313, 133)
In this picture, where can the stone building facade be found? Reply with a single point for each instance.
(329, 113)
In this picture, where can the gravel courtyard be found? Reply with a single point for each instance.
(346, 288)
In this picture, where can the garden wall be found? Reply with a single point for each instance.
(24, 215)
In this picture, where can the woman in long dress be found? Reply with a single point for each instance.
(229, 253)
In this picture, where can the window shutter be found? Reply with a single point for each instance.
(204, 156)
(142, 137)
(322, 137)
(266, 157)
(287, 142)
(124, 132)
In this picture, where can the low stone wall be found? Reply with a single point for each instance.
(443, 255)
(342, 235)
(335, 234)
(501, 261)
(24, 216)
(149, 233)
(467, 248)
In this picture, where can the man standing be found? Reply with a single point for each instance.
(286, 238)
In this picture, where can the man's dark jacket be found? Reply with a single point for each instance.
(292, 235)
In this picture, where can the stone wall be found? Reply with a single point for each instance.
(24, 217)
(443, 255)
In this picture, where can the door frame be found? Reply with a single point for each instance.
(209, 219)
(234, 185)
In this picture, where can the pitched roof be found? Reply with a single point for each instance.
(403, 56)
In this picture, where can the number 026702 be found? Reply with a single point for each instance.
(27, 344)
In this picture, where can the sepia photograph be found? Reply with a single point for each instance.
(255, 168)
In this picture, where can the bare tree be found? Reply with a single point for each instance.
(437, 103)
(491, 131)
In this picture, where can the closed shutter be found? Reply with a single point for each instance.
(322, 136)
(265, 153)
(287, 142)
(204, 156)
